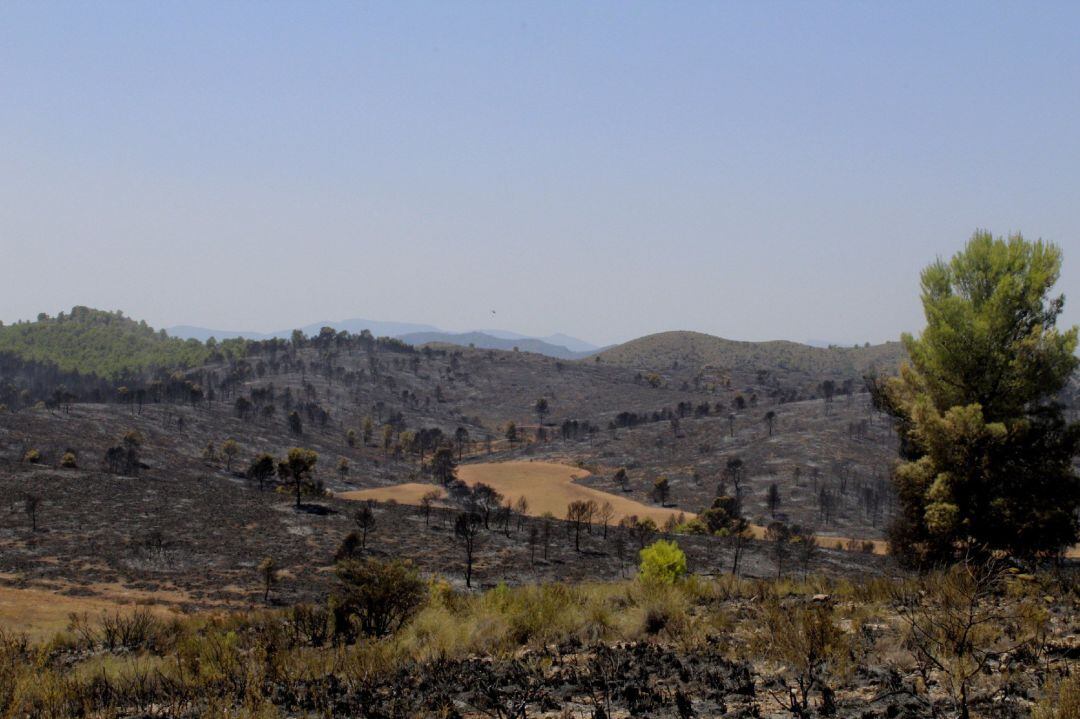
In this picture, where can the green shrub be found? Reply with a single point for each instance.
(379, 596)
(69, 461)
(662, 562)
(32, 456)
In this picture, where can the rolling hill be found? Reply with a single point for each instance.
(106, 344)
(695, 351)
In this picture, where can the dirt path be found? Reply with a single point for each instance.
(547, 486)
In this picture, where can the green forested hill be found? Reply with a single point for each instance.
(106, 344)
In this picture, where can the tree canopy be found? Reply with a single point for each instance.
(987, 454)
(106, 344)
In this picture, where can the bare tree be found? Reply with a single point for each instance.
(734, 472)
(521, 506)
(467, 532)
(364, 518)
(806, 548)
(426, 501)
(534, 539)
(268, 572)
(779, 535)
(31, 504)
(773, 499)
(545, 531)
(960, 620)
(577, 514)
(661, 491)
(605, 514)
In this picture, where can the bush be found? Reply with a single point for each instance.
(662, 562)
(32, 456)
(1062, 701)
(812, 648)
(69, 461)
(379, 596)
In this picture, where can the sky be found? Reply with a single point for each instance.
(754, 170)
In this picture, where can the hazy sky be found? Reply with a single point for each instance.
(755, 170)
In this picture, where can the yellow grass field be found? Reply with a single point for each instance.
(41, 612)
(547, 486)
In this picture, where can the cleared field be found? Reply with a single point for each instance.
(40, 613)
(547, 486)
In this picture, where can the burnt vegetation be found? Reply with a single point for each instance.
(212, 476)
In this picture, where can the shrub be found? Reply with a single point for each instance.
(1062, 701)
(69, 461)
(662, 562)
(810, 646)
(379, 596)
(32, 456)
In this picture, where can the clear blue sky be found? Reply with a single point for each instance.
(755, 170)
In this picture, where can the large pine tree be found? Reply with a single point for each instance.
(987, 454)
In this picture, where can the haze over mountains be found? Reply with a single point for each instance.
(557, 345)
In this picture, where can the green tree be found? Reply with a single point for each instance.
(461, 436)
(987, 452)
(443, 467)
(261, 469)
(297, 468)
(387, 437)
(229, 448)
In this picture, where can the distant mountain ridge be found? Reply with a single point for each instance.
(483, 340)
(353, 326)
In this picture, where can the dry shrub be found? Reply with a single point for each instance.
(1062, 700)
(811, 650)
(957, 621)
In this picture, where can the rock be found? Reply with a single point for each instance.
(820, 598)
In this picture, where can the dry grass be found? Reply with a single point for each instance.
(41, 613)
(548, 487)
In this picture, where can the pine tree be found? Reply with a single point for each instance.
(987, 452)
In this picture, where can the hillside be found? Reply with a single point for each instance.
(106, 344)
(698, 354)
